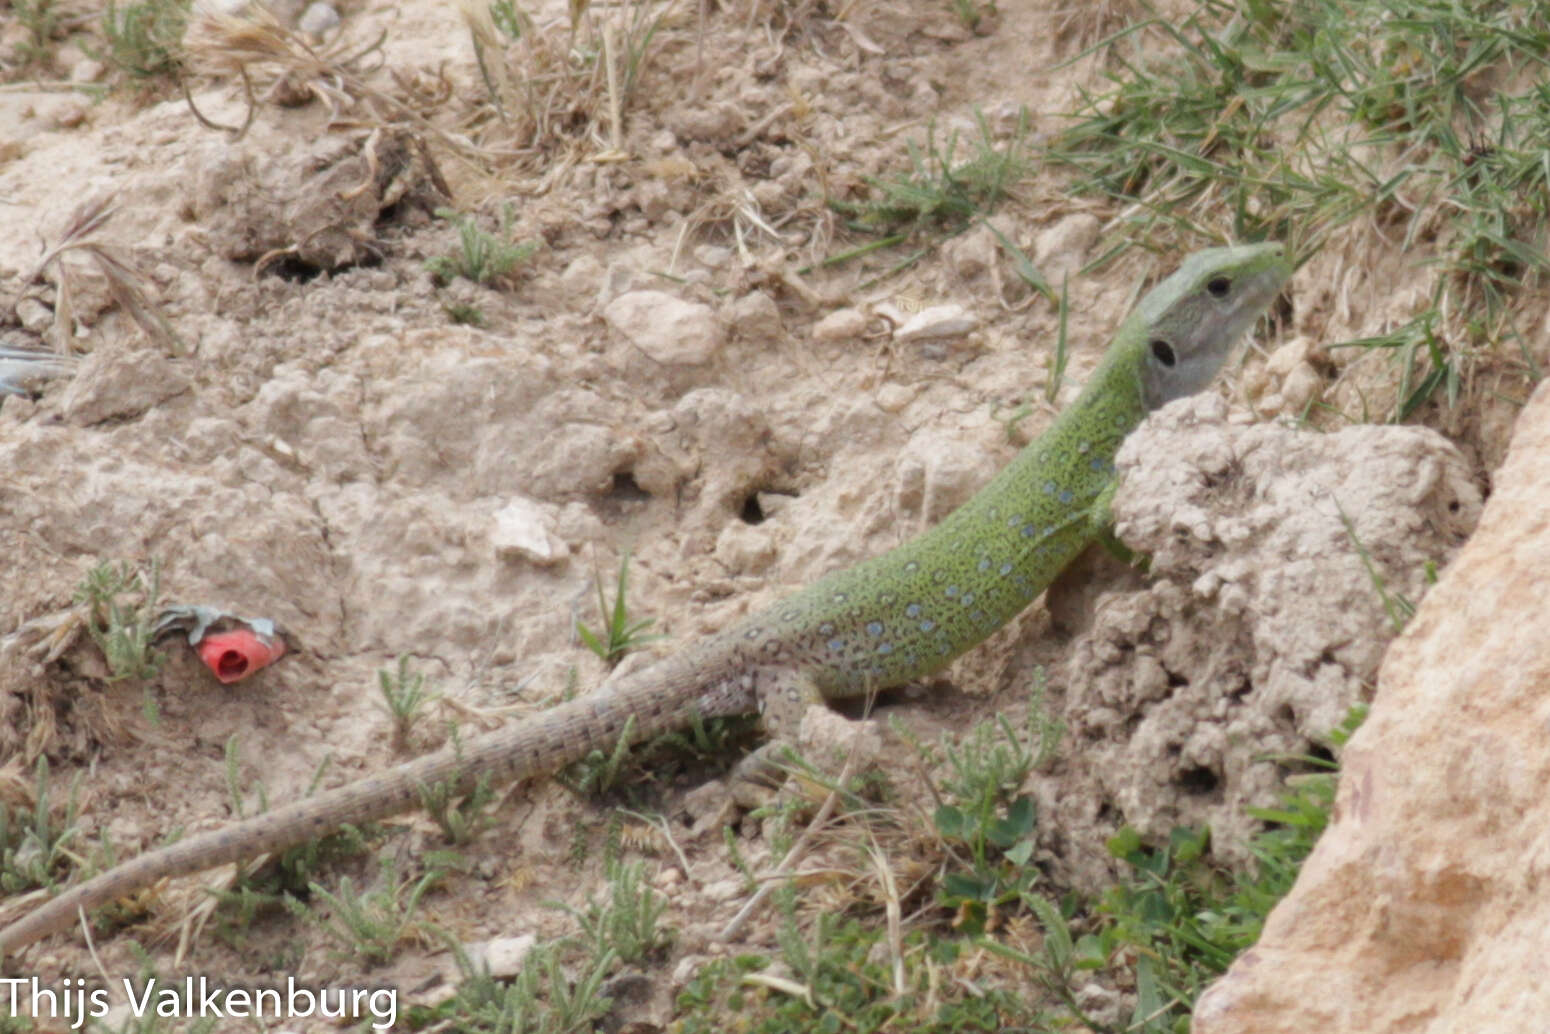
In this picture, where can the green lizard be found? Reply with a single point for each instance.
(884, 622)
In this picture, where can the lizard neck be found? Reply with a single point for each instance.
(907, 613)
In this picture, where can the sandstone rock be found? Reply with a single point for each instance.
(829, 739)
(1423, 907)
(87, 70)
(745, 550)
(1293, 378)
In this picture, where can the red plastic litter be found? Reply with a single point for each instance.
(235, 655)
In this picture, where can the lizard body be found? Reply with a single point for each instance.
(896, 617)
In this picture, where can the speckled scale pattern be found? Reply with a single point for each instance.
(907, 613)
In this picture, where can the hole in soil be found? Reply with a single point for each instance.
(1198, 780)
(751, 512)
(293, 270)
(625, 490)
(1320, 752)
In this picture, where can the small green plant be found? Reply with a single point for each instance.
(481, 257)
(1009, 421)
(940, 190)
(1022, 265)
(404, 695)
(1295, 121)
(712, 740)
(598, 772)
(1044, 729)
(145, 40)
(620, 634)
(509, 19)
(153, 1021)
(465, 314)
(990, 762)
(541, 999)
(122, 630)
(35, 845)
(1399, 609)
(972, 13)
(290, 874)
(846, 976)
(372, 923)
(635, 41)
(982, 818)
(41, 19)
(626, 923)
(461, 817)
(1179, 914)
(1000, 846)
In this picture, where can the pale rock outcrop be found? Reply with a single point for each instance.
(1259, 625)
(1424, 908)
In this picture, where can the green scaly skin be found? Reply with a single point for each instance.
(882, 623)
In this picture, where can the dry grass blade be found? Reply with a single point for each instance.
(565, 84)
(91, 216)
(124, 281)
(225, 44)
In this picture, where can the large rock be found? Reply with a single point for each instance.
(1258, 626)
(1424, 908)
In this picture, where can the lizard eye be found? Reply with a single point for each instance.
(1219, 286)
(1162, 352)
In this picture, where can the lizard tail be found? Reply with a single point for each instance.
(536, 746)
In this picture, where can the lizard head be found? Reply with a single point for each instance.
(1191, 320)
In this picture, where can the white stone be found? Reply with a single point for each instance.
(504, 955)
(524, 529)
(87, 70)
(891, 398)
(667, 328)
(937, 322)
(318, 18)
(840, 325)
